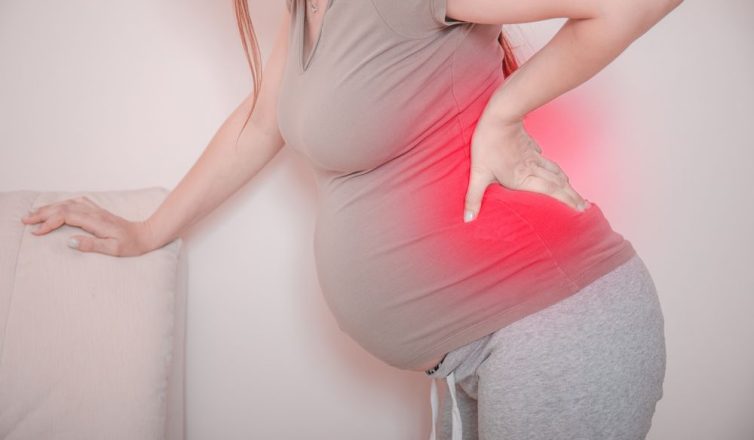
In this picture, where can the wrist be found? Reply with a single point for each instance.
(500, 119)
(145, 237)
(502, 106)
(502, 111)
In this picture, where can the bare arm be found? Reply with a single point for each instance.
(225, 167)
(596, 32)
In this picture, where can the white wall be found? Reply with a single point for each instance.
(117, 95)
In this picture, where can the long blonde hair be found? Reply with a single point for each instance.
(251, 50)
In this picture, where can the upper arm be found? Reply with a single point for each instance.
(265, 113)
(418, 18)
(518, 11)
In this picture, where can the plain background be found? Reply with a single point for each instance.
(119, 95)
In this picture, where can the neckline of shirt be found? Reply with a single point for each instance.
(305, 60)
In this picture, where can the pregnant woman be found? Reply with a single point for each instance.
(445, 242)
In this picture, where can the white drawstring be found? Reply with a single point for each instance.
(456, 413)
(433, 402)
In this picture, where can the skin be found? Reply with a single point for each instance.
(596, 31)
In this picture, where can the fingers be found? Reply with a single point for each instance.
(43, 212)
(578, 201)
(32, 217)
(546, 182)
(557, 180)
(52, 222)
(479, 179)
(550, 180)
(75, 212)
(537, 183)
(81, 212)
(554, 167)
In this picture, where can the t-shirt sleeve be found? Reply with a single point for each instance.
(438, 9)
(415, 18)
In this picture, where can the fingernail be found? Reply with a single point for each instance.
(467, 216)
(73, 242)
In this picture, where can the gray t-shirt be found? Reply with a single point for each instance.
(384, 108)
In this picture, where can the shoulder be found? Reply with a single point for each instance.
(415, 18)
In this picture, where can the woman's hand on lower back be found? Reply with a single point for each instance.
(113, 235)
(504, 152)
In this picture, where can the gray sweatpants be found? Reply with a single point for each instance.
(588, 367)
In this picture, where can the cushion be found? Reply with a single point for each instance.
(91, 345)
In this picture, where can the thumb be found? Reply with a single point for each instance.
(479, 179)
(85, 243)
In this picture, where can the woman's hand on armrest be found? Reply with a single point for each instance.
(113, 235)
(223, 167)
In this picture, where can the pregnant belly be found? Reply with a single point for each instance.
(393, 253)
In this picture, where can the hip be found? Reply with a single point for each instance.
(619, 311)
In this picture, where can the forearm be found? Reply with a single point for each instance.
(221, 170)
(581, 48)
